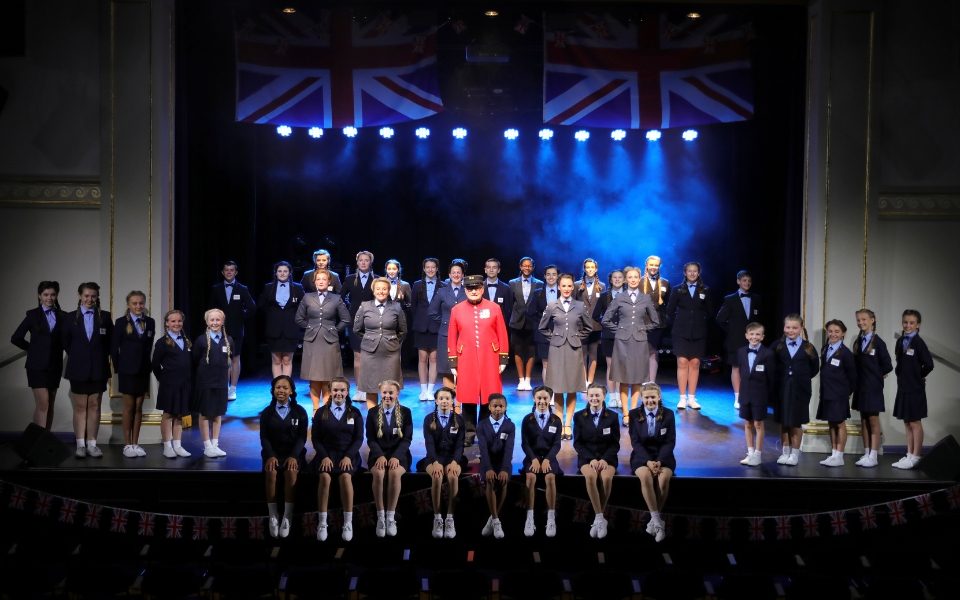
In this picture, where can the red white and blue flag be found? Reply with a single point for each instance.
(649, 73)
(333, 69)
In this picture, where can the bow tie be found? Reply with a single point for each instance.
(491, 285)
(749, 350)
(429, 283)
(744, 295)
(179, 337)
(793, 344)
(282, 284)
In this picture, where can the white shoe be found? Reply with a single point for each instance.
(284, 527)
(180, 451)
(140, 451)
(743, 461)
(212, 452)
(784, 457)
(487, 528)
(391, 528)
(915, 461)
(736, 405)
(651, 527)
(169, 452)
(498, 530)
(449, 531)
(529, 527)
(219, 451)
(347, 532)
(438, 527)
(551, 529)
(868, 462)
(521, 385)
(231, 392)
(381, 529)
(96, 452)
(129, 451)
(683, 403)
(594, 526)
(81, 452)
(602, 529)
(793, 459)
(861, 460)
(754, 459)
(833, 461)
(322, 532)
(274, 526)
(692, 403)
(659, 533)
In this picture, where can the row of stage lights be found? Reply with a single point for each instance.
(460, 133)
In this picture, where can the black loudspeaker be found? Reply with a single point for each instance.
(40, 448)
(943, 460)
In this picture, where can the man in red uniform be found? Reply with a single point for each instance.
(477, 347)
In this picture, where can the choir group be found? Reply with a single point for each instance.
(564, 321)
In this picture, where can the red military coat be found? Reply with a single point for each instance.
(477, 345)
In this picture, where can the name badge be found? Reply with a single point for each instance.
(499, 300)
(663, 290)
(909, 352)
(396, 431)
(189, 349)
(484, 313)
(453, 430)
(294, 299)
(223, 349)
(703, 296)
(755, 311)
(835, 362)
(606, 431)
(350, 421)
(873, 351)
(236, 296)
(149, 334)
(663, 431)
(503, 435)
(329, 288)
(103, 331)
(759, 368)
(552, 428)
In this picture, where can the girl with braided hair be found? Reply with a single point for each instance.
(389, 432)
(443, 433)
(211, 356)
(132, 342)
(173, 368)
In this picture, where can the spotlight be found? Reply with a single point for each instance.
(386, 132)
(315, 132)
(617, 135)
(689, 135)
(350, 131)
(459, 133)
(654, 135)
(422, 133)
(693, 16)
(511, 134)
(582, 135)
(284, 130)
(491, 13)
(546, 134)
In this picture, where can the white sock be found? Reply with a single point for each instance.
(91, 443)
(81, 443)
(683, 397)
(215, 442)
(655, 517)
(391, 515)
(437, 515)
(736, 396)
(175, 443)
(430, 387)
(322, 519)
(551, 514)
(287, 510)
(872, 453)
(691, 398)
(750, 450)
(272, 509)
(786, 450)
(794, 451)
(168, 445)
(529, 515)
(449, 515)
(347, 518)
(423, 388)
(380, 514)
(207, 444)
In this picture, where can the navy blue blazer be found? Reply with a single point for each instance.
(131, 351)
(757, 384)
(87, 360)
(420, 307)
(336, 439)
(518, 312)
(354, 294)
(212, 374)
(45, 347)
(439, 311)
(794, 377)
(688, 316)
(283, 438)
(838, 376)
(873, 362)
(240, 307)
(912, 367)
(281, 321)
(596, 442)
(658, 447)
(443, 444)
(170, 364)
(539, 443)
(733, 320)
(503, 297)
(656, 296)
(496, 449)
(390, 444)
(590, 300)
(535, 307)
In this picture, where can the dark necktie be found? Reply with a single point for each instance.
(338, 410)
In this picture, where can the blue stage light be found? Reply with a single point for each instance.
(511, 134)
(350, 131)
(459, 133)
(582, 135)
(386, 132)
(546, 134)
(689, 135)
(284, 130)
(315, 132)
(422, 133)
(617, 135)
(654, 135)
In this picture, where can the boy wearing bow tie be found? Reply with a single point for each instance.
(738, 309)
(754, 365)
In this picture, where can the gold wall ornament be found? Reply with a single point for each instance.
(50, 193)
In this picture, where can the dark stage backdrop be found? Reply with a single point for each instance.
(732, 199)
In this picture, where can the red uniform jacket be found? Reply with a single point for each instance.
(477, 346)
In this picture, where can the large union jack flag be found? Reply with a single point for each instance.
(334, 69)
(649, 73)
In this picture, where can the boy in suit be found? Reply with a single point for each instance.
(756, 369)
(234, 299)
(521, 327)
(497, 291)
(738, 309)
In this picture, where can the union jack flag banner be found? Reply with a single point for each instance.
(335, 69)
(645, 73)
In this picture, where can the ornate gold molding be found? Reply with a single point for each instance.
(52, 193)
(150, 418)
(919, 205)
